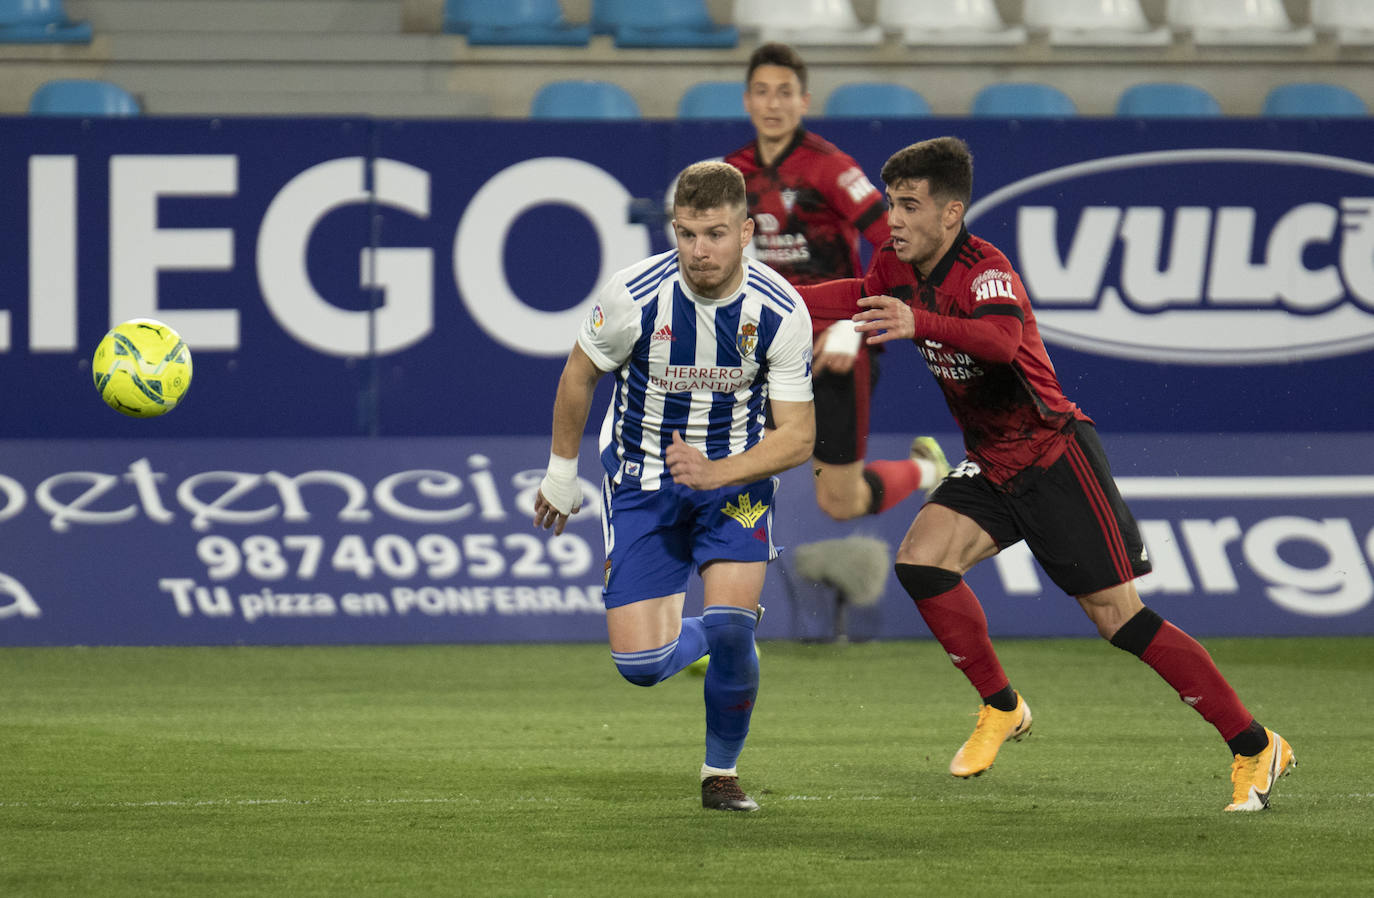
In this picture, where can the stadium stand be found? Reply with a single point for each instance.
(1159, 99)
(1214, 22)
(1313, 100)
(873, 99)
(40, 22)
(713, 99)
(583, 100)
(1022, 100)
(662, 23)
(805, 22)
(83, 97)
(1351, 22)
(1094, 23)
(393, 58)
(939, 22)
(513, 22)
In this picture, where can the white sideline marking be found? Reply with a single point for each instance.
(1315, 486)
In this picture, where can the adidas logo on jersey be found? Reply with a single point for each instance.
(664, 333)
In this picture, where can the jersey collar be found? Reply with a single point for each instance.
(941, 269)
(797, 137)
(710, 301)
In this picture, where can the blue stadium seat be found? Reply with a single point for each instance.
(606, 15)
(82, 97)
(513, 22)
(1313, 100)
(583, 100)
(1022, 100)
(876, 99)
(713, 99)
(40, 22)
(1165, 99)
(661, 23)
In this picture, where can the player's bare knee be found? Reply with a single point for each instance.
(1110, 609)
(836, 510)
(838, 504)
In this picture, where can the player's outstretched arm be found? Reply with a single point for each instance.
(785, 447)
(993, 337)
(560, 492)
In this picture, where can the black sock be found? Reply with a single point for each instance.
(876, 487)
(1251, 741)
(1003, 699)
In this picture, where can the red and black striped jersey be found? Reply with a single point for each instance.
(977, 333)
(809, 208)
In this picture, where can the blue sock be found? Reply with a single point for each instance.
(656, 665)
(732, 682)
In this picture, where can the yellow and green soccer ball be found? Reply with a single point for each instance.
(142, 368)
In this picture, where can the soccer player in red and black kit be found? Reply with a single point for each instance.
(1035, 470)
(810, 201)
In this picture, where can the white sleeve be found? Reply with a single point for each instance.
(610, 329)
(789, 358)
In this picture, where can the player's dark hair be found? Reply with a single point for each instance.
(944, 163)
(776, 54)
(710, 185)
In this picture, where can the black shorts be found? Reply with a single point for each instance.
(842, 405)
(1071, 516)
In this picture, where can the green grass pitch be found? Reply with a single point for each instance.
(534, 770)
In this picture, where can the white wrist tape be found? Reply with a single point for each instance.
(560, 485)
(841, 338)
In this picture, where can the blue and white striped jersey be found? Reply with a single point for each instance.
(700, 366)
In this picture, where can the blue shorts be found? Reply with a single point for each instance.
(654, 537)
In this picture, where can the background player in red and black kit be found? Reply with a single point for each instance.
(1035, 470)
(810, 201)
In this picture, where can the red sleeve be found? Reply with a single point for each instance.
(994, 337)
(832, 300)
(849, 192)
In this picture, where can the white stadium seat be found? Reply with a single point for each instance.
(1352, 21)
(805, 22)
(1236, 22)
(1094, 23)
(941, 22)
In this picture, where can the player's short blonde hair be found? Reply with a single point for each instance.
(710, 185)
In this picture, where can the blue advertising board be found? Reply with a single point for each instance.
(412, 540)
(340, 277)
(379, 311)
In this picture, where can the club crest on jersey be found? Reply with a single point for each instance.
(747, 339)
(789, 198)
(745, 510)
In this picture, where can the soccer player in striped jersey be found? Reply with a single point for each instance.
(699, 340)
(810, 202)
(1036, 471)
